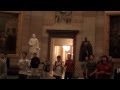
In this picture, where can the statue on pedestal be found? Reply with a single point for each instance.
(85, 50)
(34, 46)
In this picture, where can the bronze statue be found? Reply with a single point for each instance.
(85, 50)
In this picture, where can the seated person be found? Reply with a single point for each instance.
(104, 70)
(91, 68)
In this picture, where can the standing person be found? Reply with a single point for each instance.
(91, 68)
(34, 64)
(3, 69)
(104, 71)
(46, 67)
(69, 65)
(23, 66)
(58, 68)
(84, 67)
(7, 60)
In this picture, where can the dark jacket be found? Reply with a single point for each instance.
(35, 61)
(47, 67)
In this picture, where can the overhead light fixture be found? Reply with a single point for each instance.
(66, 48)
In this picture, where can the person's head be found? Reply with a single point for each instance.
(104, 59)
(91, 57)
(59, 58)
(34, 54)
(86, 58)
(24, 55)
(33, 35)
(69, 56)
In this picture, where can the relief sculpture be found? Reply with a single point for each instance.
(63, 16)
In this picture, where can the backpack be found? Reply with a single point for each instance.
(47, 68)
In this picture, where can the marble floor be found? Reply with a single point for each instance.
(12, 77)
(50, 77)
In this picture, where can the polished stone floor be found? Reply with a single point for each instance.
(16, 77)
(12, 77)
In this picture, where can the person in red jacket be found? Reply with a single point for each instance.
(104, 70)
(69, 64)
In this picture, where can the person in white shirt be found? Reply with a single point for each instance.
(58, 68)
(23, 66)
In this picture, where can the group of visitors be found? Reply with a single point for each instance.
(92, 68)
(101, 69)
(60, 68)
(24, 65)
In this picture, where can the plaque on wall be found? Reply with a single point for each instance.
(63, 17)
(8, 32)
(114, 37)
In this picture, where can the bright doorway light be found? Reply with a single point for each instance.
(66, 48)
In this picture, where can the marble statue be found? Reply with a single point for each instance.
(34, 46)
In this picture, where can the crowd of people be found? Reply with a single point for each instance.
(26, 65)
(91, 68)
(101, 69)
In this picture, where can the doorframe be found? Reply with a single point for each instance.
(62, 34)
